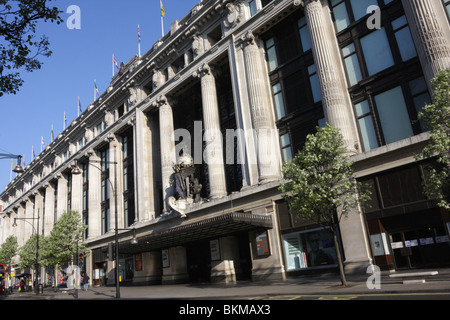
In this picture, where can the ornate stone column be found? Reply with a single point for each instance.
(49, 214)
(431, 33)
(213, 137)
(335, 98)
(168, 157)
(263, 121)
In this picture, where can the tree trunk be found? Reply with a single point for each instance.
(341, 265)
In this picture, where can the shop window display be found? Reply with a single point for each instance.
(309, 249)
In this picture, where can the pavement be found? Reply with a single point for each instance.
(320, 285)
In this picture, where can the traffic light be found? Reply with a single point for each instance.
(81, 260)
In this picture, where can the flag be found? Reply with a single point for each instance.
(65, 121)
(53, 136)
(139, 35)
(32, 153)
(115, 63)
(42, 143)
(79, 109)
(163, 14)
(96, 89)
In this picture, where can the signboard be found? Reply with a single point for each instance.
(262, 244)
(165, 258)
(214, 248)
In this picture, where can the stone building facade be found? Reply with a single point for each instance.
(191, 138)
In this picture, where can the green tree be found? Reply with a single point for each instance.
(8, 251)
(27, 253)
(436, 116)
(19, 48)
(65, 239)
(319, 186)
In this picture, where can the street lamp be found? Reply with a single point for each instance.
(77, 171)
(18, 168)
(37, 243)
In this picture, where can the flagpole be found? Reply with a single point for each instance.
(139, 43)
(113, 65)
(162, 26)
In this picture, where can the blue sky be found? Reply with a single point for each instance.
(79, 56)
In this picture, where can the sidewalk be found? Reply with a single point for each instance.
(304, 285)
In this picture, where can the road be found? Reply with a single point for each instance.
(372, 296)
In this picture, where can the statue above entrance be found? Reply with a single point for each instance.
(187, 185)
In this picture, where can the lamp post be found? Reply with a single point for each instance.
(37, 244)
(77, 171)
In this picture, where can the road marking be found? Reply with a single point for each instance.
(286, 297)
(337, 297)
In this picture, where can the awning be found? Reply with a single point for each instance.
(209, 228)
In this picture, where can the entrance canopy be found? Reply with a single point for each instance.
(215, 227)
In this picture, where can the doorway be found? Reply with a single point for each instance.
(420, 248)
(199, 261)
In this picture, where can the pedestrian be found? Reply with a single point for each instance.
(22, 286)
(85, 282)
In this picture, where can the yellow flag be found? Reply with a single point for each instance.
(162, 9)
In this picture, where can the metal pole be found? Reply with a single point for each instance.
(116, 227)
(37, 255)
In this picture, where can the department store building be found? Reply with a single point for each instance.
(192, 135)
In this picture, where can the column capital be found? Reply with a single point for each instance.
(303, 3)
(249, 38)
(204, 70)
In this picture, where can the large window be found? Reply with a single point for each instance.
(385, 117)
(128, 178)
(383, 72)
(85, 207)
(105, 186)
(294, 82)
(347, 11)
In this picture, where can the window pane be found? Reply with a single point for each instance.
(377, 51)
(368, 136)
(285, 141)
(278, 100)
(418, 86)
(341, 17)
(304, 34)
(272, 58)
(393, 115)
(287, 154)
(405, 44)
(353, 69)
(314, 81)
(360, 7)
(362, 108)
(253, 8)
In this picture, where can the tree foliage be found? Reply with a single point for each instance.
(19, 48)
(319, 180)
(437, 118)
(8, 250)
(65, 239)
(27, 253)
